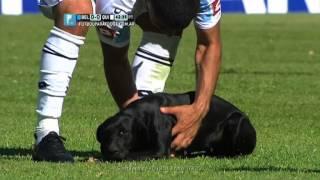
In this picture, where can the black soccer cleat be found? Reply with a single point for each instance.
(51, 149)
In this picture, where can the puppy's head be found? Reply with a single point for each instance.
(116, 137)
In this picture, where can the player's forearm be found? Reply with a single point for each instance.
(118, 74)
(208, 58)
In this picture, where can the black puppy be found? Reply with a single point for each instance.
(141, 131)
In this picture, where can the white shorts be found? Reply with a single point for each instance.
(115, 35)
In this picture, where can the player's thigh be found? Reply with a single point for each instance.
(72, 7)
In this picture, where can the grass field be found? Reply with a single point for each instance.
(270, 69)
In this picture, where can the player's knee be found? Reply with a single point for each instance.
(72, 7)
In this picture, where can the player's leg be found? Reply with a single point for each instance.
(154, 57)
(58, 60)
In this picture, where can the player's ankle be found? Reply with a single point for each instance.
(44, 127)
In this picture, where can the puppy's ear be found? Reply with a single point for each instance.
(243, 134)
(99, 133)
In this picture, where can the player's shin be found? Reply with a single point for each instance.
(153, 61)
(59, 58)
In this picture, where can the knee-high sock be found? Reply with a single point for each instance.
(59, 58)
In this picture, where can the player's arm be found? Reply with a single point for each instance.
(207, 62)
(115, 39)
(118, 74)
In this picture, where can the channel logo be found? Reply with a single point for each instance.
(70, 20)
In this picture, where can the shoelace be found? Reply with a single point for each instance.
(60, 137)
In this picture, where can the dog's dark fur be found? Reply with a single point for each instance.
(141, 131)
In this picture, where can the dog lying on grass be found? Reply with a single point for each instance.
(141, 131)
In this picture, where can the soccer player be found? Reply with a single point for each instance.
(162, 23)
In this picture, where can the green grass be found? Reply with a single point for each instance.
(270, 69)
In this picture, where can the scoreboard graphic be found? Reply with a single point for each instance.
(18, 7)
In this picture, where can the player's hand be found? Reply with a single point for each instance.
(189, 119)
